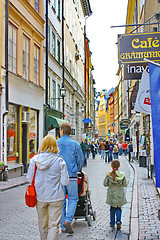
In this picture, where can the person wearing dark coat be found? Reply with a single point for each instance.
(106, 151)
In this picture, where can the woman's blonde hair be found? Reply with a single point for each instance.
(49, 144)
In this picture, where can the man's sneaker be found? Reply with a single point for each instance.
(118, 225)
(68, 227)
(112, 226)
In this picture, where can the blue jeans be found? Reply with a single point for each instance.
(107, 156)
(102, 154)
(120, 151)
(68, 211)
(115, 155)
(115, 211)
(110, 155)
(85, 158)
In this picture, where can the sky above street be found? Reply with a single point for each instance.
(103, 39)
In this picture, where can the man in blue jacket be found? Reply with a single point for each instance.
(71, 151)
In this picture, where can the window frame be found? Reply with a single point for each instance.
(35, 2)
(26, 38)
(38, 48)
(12, 57)
(58, 51)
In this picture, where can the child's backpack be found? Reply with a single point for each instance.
(115, 149)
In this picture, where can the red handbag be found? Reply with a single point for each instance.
(30, 195)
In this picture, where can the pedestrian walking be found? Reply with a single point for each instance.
(51, 175)
(130, 151)
(115, 151)
(73, 156)
(107, 151)
(84, 147)
(102, 148)
(93, 150)
(120, 148)
(115, 181)
(124, 148)
(111, 150)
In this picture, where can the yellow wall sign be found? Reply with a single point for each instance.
(136, 47)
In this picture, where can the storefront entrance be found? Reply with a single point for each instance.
(24, 146)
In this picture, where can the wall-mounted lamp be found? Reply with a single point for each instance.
(62, 92)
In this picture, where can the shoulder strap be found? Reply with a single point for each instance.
(35, 169)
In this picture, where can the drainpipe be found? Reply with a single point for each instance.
(63, 54)
(48, 106)
(6, 78)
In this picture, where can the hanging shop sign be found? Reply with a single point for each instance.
(124, 123)
(134, 70)
(135, 47)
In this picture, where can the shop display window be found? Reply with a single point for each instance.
(12, 154)
(32, 133)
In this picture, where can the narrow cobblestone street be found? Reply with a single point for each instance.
(20, 222)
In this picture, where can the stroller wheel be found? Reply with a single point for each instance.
(89, 220)
(94, 215)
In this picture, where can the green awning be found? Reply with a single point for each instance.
(55, 121)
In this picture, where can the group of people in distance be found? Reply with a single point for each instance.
(58, 163)
(108, 150)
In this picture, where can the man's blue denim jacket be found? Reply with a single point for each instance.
(71, 151)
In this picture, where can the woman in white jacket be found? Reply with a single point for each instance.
(51, 175)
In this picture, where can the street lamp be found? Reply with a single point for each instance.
(62, 92)
(62, 96)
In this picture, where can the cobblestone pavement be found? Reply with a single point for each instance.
(148, 205)
(20, 222)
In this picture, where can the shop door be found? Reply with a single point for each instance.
(24, 146)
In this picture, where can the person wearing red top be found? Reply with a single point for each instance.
(124, 148)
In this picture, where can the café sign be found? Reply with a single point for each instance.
(135, 47)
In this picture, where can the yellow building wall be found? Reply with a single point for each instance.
(102, 124)
(32, 26)
(116, 110)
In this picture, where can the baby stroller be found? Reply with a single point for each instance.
(84, 207)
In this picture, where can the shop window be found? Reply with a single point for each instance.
(25, 57)
(12, 154)
(32, 133)
(36, 64)
(12, 48)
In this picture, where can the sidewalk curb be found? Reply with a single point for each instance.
(134, 227)
(5, 188)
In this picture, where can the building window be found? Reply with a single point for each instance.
(58, 51)
(36, 5)
(36, 64)
(53, 44)
(49, 38)
(67, 57)
(12, 49)
(48, 89)
(54, 93)
(25, 57)
(54, 4)
(59, 9)
(59, 100)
